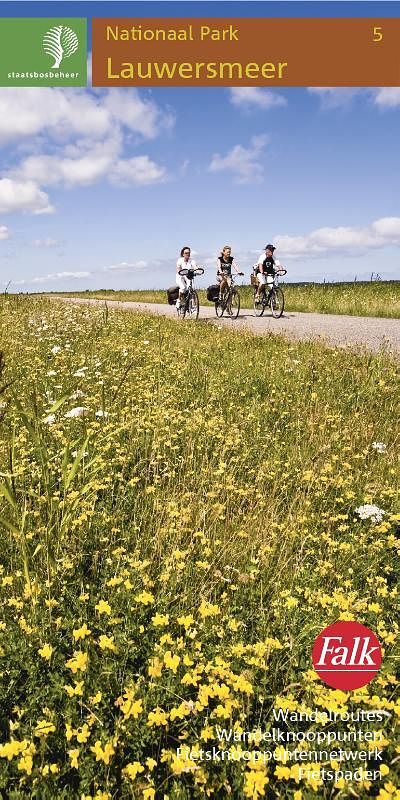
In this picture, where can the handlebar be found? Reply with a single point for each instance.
(185, 272)
(279, 271)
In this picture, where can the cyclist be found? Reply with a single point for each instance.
(265, 270)
(184, 262)
(225, 262)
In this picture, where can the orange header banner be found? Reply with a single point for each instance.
(245, 52)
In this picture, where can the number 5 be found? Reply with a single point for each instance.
(378, 35)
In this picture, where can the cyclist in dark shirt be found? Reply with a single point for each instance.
(265, 271)
(225, 262)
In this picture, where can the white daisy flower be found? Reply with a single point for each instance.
(368, 511)
(76, 394)
(380, 447)
(79, 411)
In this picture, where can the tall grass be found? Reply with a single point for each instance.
(179, 520)
(368, 299)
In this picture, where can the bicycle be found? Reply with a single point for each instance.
(230, 301)
(190, 305)
(275, 298)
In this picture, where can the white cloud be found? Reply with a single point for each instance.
(136, 171)
(125, 266)
(80, 163)
(387, 97)
(62, 113)
(382, 232)
(75, 137)
(27, 111)
(53, 276)
(4, 232)
(255, 96)
(23, 196)
(242, 161)
(84, 162)
(387, 227)
(334, 96)
(137, 114)
(44, 242)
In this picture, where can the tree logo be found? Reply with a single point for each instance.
(60, 42)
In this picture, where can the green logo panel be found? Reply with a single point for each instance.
(43, 52)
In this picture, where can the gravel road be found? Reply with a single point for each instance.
(336, 330)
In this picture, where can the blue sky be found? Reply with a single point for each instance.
(102, 187)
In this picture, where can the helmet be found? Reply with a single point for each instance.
(270, 247)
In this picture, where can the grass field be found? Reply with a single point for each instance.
(179, 515)
(372, 299)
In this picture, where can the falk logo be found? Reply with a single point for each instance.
(346, 655)
(60, 42)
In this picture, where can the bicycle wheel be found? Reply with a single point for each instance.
(233, 305)
(220, 307)
(277, 302)
(258, 305)
(193, 305)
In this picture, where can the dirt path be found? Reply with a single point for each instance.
(372, 333)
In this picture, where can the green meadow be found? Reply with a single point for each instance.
(368, 299)
(183, 510)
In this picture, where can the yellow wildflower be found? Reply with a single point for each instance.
(25, 764)
(166, 638)
(81, 633)
(46, 651)
(83, 734)
(282, 773)
(157, 717)
(170, 661)
(53, 768)
(103, 754)
(73, 755)
(75, 690)
(107, 643)
(14, 748)
(68, 731)
(145, 597)
(208, 609)
(129, 706)
(77, 662)
(186, 621)
(160, 619)
(254, 784)
(155, 667)
(132, 769)
(44, 727)
(103, 607)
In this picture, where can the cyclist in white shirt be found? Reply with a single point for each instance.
(184, 262)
